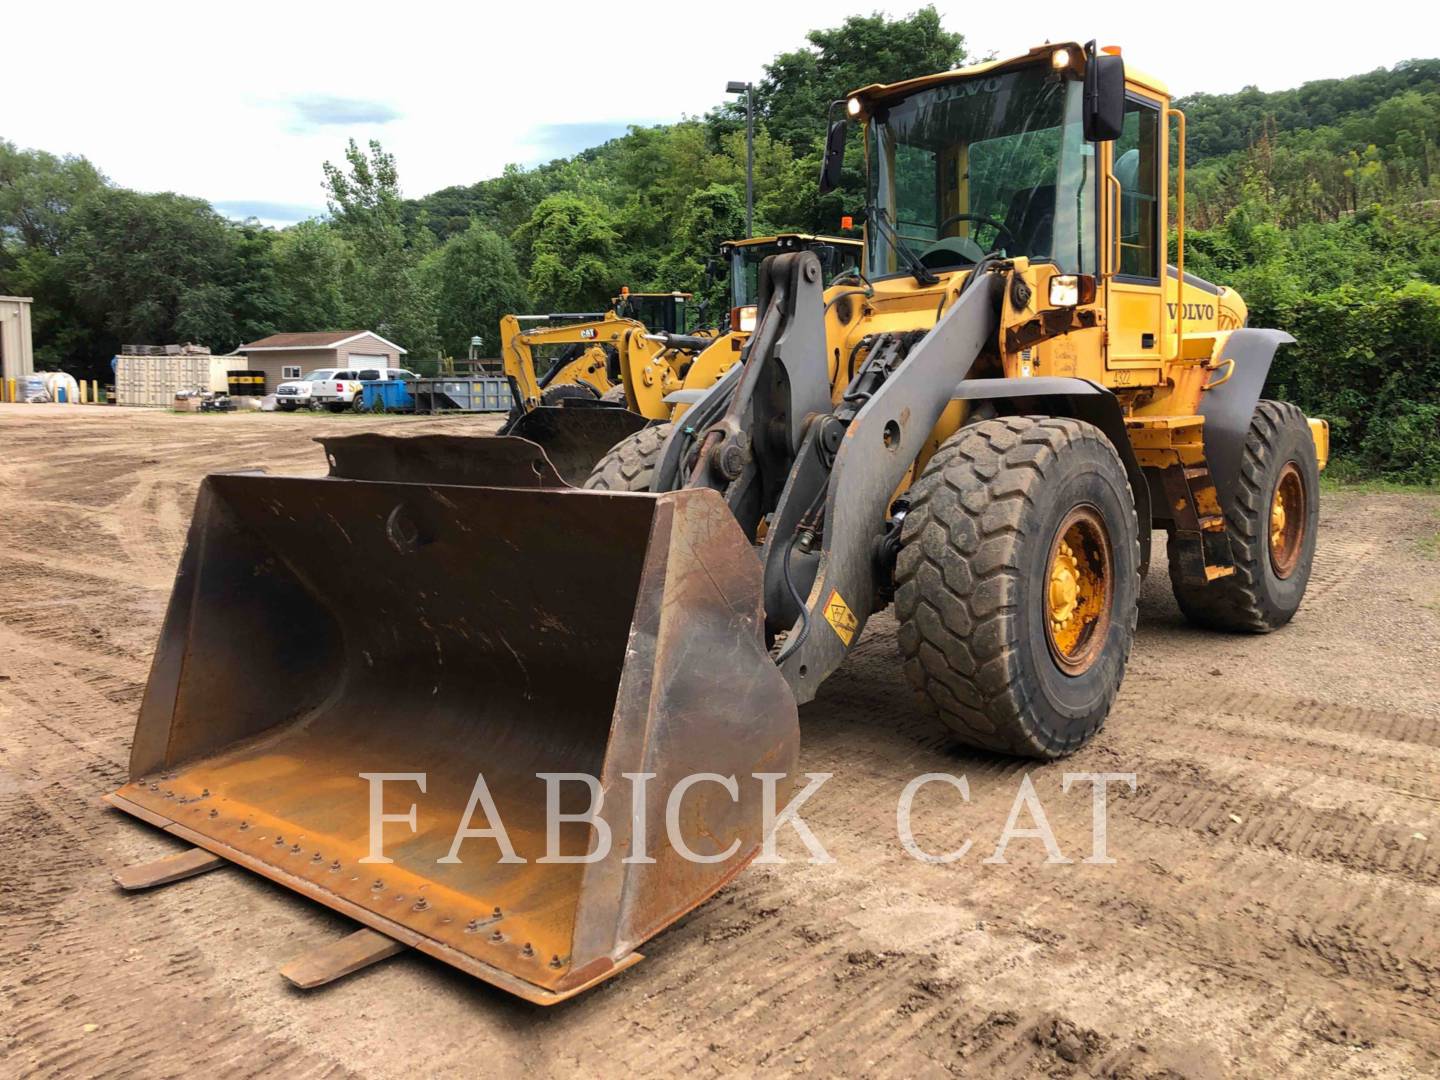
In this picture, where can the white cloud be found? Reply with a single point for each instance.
(240, 104)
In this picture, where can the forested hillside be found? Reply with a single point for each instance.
(1319, 203)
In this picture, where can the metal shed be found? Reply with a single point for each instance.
(17, 356)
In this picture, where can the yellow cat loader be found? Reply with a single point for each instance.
(599, 353)
(740, 261)
(635, 365)
(983, 430)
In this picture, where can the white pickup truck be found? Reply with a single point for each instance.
(337, 389)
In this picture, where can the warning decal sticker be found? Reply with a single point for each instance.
(841, 619)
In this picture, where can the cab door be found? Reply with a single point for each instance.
(1135, 203)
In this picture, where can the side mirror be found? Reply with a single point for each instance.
(712, 269)
(826, 254)
(834, 156)
(1104, 96)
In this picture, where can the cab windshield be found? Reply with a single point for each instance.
(995, 164)
(745, 272)
(319, 375)
(745, 263)
(662, 312)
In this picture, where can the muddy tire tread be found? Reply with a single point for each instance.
(631, 463)
(969, 507)
(1234, 603)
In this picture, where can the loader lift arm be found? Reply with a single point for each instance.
(770, 441)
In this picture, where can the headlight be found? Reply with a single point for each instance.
(853, 106)
(1064, 290)
(1069, 290)
(744, 320)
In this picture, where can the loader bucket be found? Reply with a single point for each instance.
(576, 436)
(399, 616)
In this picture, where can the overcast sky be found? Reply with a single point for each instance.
(240, 103)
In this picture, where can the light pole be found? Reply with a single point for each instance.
(748, 89)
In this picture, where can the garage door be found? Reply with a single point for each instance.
(357, 361)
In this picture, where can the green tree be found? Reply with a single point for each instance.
(799, 86)
(151, 268)
(712, 216)
(385, 292)
(312, 263)
(570, 246)
(475, 280)
(37, 191)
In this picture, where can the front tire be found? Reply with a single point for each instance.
(630, 464)
(1018, 583)
(1271, 527)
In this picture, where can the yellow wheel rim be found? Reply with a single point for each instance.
(1078, 590)
(1287, 521)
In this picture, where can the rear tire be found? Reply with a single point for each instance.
(556, 395)
(1271, 573)
(1018, 583)
(630, 465)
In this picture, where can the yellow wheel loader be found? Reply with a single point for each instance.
(426, 688)
(740, 261)
(636, 357)
(595, 354)
(840, 258)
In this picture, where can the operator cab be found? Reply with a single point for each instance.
(998, 161)
(660, 312)
(838, 256)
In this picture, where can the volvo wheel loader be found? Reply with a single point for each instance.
(983, 429)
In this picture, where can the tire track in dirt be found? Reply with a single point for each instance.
(1295, 942)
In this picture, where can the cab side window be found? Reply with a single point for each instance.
(1137, 168)
(369, 375)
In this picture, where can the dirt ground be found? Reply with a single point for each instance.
(1272, 910)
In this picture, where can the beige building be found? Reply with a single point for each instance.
(288, 356)
(16, 350)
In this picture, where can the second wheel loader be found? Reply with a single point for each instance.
(983, 430)
(594, 354)
(637, 358)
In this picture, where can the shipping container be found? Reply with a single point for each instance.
(155, 380)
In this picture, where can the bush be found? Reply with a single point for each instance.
(1367, 358)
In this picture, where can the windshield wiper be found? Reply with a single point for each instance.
(923, 274)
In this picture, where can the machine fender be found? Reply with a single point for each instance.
(1227, 408)
(1078, 399)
